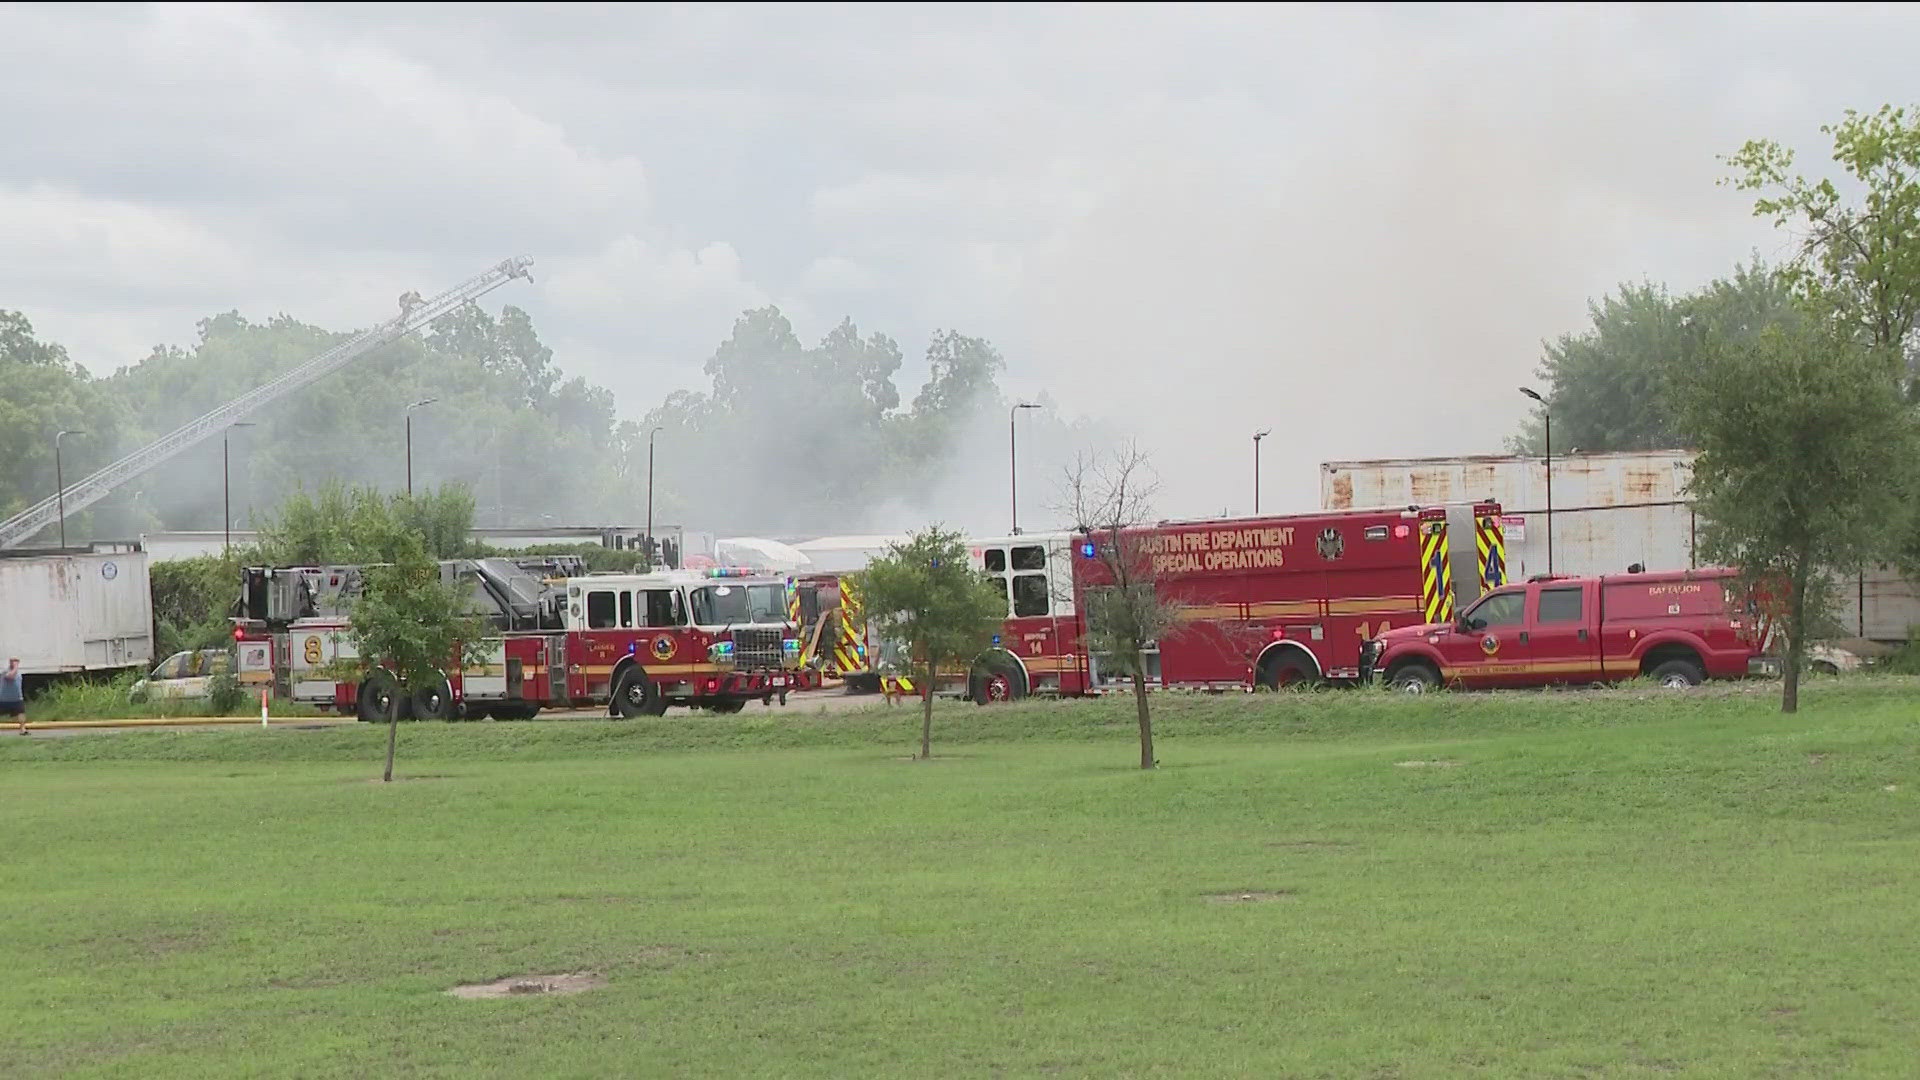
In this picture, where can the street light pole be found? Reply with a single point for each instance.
(1546, 414)
(416, 405)
(226, 487)
(1013, 461)
(1257, 436)
(60, 483)
(650, 436)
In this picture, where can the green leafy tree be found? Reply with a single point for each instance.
(45, 392)
(1805, 462)
(1859, 257)
(363, 525)
(408, 627)
(1126, 614)
(923, 594)
(1610, 382)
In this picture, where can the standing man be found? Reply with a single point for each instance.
(12, 701)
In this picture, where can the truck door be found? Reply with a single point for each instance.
(1486, 648)
(1560, 645)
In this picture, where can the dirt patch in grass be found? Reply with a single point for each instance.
(403, 779)
(573, 982)
(1309, 843)
(1440, 764)
(1248, 896)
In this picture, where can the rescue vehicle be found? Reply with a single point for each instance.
(1677, 627)
(636, 643)
(1263, 602)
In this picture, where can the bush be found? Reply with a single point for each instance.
(1905, 660)
(224, 695)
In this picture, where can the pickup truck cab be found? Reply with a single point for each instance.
(1678, 628)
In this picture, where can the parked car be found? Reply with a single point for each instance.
(1678, 628)
(183, 675)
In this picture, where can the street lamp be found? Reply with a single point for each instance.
(416, 405)
(1546, 414)
(226, 488)
(60, 484)
(650, 436)
(1013, 461)
(1257, 436)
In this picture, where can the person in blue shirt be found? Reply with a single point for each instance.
(12, 701)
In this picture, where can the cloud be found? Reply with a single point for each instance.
(1352, 224)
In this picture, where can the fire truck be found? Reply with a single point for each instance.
(831, 622)
(1262, 602)
(635, 643)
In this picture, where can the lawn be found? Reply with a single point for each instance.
(1605, 884)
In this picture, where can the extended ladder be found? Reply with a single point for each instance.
(415, 314)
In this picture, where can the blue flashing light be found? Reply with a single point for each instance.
(632, 646)
(996, 639)
(1086, 550)
(728, 571)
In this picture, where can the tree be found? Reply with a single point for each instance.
(1859, 261)
(1610, 381)
(1805, 462)
(407, 627)
(1106, 499)
(363, 525)
(923, 594)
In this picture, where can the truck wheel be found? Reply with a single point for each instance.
(375, 698)
(433, 703)
(996, 681)
(1679, 674)
(1414, 679)
(1289, 671)
(635, 695)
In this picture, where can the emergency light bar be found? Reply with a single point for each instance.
(729, 571)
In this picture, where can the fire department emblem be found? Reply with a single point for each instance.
(1330, 543)
(1489, 644)
(664, 647)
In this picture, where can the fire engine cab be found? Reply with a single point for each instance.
(715, 639)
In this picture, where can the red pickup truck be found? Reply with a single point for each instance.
(1679, 628)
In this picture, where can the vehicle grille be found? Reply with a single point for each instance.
(756, 647)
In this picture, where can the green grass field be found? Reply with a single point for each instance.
(1606, 884)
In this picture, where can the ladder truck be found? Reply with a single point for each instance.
(416, 313)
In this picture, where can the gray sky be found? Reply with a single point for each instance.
(1351, 225)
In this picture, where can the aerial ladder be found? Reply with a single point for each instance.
(415, 314)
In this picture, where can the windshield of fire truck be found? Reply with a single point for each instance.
(721, 605)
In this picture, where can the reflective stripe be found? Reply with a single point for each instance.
(1436, 576)
(1491, 541)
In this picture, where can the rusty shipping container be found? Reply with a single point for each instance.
(76, 611)
(1610, 511)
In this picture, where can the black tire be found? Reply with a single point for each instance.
(1678, 674)
(376, 696)
(1288, 670)
(1413, 678)
(1825, 667)
(996, 681)
(726, 708)
(636, 695)
(435, 703)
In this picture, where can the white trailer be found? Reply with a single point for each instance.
(70, 612)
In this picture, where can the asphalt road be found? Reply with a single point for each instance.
(810, 701)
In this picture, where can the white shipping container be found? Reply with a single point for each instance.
(75, 612)
(1610, 511)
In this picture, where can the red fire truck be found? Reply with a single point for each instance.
(637, 643)
(1262, 602)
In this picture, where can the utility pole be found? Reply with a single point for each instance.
(1257, 436)
(650, 436)
(226, 486)
(60, 483)
(416, 405)
(1546, 413)
(1013, 461)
